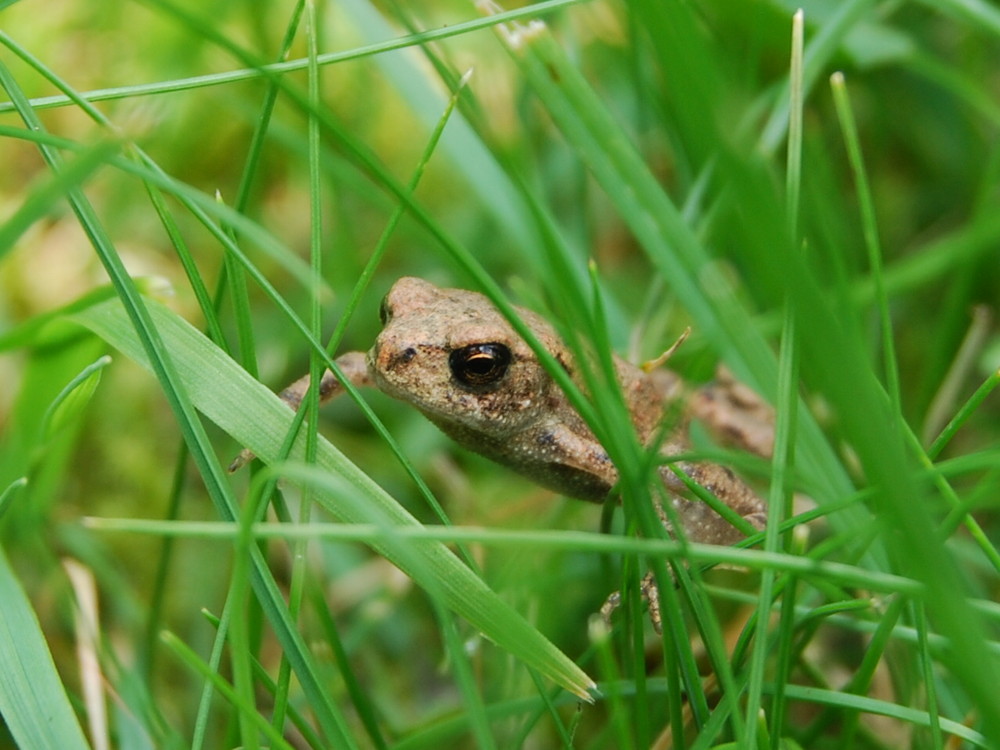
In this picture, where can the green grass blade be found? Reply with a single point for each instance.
(962, 415)
(74, 398)
(256, 418)
(844, 701)
(276, 69)
(363, 703)
(818, 53)
(33, 701)
(10, 492)
(187, 261)
(927, 672)
(311, 402)
(246, 709)
(780, 495)
(650, 137)
(846, 116)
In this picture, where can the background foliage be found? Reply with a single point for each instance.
(648, 139)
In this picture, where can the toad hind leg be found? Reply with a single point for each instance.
(650, 594)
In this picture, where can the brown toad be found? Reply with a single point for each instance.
(453, 356)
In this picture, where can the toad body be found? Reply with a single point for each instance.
(453, 356)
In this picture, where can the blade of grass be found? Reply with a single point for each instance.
(818, 54)
(972, 672)
(364, 280)
(780, 495)
(785, 638)
(311, 401)
(147, 650)
(610, 671)
(72, 399)
(33, 701)
(927, 673)
(361, 700)
(878, 707)
(191, 270)
(233, 275)
(302, 724)
(203, 719)
(839, 574)
(565, 729)
(842, 373)
(236, 280)
(969, 345)
(10, 492)
(233, 280)
(869, 225)
(269, 70)
(254, 416)
(246, 710)
(238, 632)
(475, 708)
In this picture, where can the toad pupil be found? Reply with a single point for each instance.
(479, 364)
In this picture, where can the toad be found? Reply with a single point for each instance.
(452, 355)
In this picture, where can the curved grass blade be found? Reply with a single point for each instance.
(8, 495)
(255, 417)
(74, 397)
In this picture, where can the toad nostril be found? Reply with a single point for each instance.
(401, 358)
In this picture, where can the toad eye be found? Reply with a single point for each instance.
(383, 311)
(479, 365)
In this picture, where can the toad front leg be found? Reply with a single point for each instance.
(354, 367)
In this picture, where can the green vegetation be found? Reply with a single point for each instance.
(201, 201)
